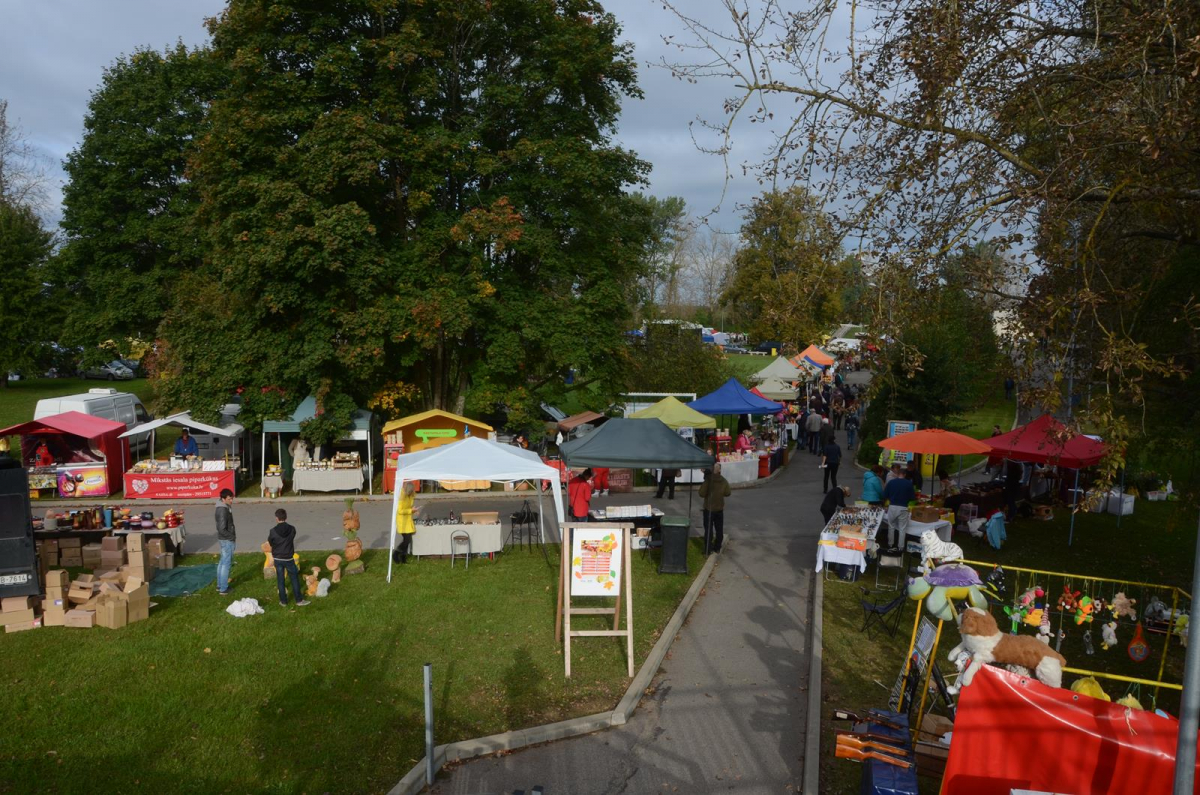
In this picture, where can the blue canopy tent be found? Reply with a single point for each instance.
(362, 428)
(733, 398)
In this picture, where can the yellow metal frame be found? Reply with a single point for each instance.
(1155, 683)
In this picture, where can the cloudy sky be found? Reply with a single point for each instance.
(53, 52)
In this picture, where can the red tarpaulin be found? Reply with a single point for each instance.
(1011, 732)
(1046, 440)
(91, 433)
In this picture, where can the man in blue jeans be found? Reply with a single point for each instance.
(227, 538)
(282, 539)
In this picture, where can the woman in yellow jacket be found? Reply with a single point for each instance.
(404, 521)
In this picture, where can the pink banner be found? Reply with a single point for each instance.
(177, 485)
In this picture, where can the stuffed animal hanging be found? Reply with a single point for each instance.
(995, 581)
(986, 643)
(1108, 633)
(1069, 599)
(1087, 642)
(1181, 628)
(1138, 649)
(1122, 606)
(1083, 612)
(1044, 628)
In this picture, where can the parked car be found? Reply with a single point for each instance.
(113, 371)
(104, 402)
(766, 346)
(132, 366)
(734, 349)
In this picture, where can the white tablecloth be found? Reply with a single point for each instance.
(176, 534)
(435, 539)
(327, 480)
(829, 552)
(272, 483)
(941, 527)
(740, 471)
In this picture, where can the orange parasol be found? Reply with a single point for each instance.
(936, 441)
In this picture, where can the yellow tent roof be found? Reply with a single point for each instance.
(424, 415)
(675, 415)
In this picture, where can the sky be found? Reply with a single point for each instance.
(53, 53)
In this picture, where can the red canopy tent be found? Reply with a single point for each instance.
(77, 438)
(1048, 441)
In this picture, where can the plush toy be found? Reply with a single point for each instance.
(1069, 599)
(1087, 642)
(1157, 610)
(1122, 606)
(323, 587)
(983, 638)
(1130, 702)
(1083, 612)
(1044, 628)
(1108, 633)
(311, 582)
(1101, 609)
(1088, 686)
(1181, 628)
(995, 582)
(1034, 617)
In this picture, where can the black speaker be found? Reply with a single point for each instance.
(18, 556)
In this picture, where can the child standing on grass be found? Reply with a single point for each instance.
(282, 539)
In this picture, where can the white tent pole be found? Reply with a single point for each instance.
(370, 467)
(541, 519)
(262, 464)
(395, 507)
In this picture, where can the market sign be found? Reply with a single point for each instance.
(178, 485)
(895, 428)
(596, 562)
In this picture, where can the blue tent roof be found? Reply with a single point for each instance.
(307, 409)
(733, 398)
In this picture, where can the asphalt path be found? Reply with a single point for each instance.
(727, 710)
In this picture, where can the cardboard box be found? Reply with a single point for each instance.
(112, 613)
(55, 603)
(925, 514)
(166, 561)
(113, 544)
(113, 576)
(58, 579)
(69, 543)
(54, 617)
(138, 559)
(24, 625)
(137, 594)
(480, 517)
(112, 560)
(80, 619)
(135, 542)
(48, 559)
(17, 616)
(49, 545)
(11, 604)
(156, 547)
(70, 561)
(146, 574)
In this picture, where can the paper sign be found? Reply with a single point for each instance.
(596, 562)
(895, 428)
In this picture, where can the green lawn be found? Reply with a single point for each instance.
(1156, 544)
(978, 423)
(325, 698)
(746, 365)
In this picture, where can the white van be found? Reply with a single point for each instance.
(108, 403)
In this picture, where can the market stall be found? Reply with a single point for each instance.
(75, 454)
(343, 471)
(425, 431)
(781, 369)
(734, 399)
(813, 358)
(472, 458)
(185, 477)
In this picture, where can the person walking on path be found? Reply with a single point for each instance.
(666, 477)
(713, 492)
(405, 527)
(851, 430)
(826, 434)
(282, 539)
(834, 499)
(812, 427)
(899, 493)
(579, 495)
(831, 458)
(227, 538)
(872, 492)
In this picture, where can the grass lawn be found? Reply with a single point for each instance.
(978, 423)
(325, 698)
(745, 365)
(1156, 544)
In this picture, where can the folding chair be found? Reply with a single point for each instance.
(890, 562)
(885, 615)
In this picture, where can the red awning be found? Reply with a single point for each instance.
(73, 422)
(1046, 440)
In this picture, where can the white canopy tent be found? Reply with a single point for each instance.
(782, 369)
(184, 420)
(777, 389)
(843, 344)
(473, 459)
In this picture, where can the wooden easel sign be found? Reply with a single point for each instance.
(595, 555)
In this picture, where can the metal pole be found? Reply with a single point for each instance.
(1074, 500)
(429, 724)
(1121, 510)
(1189, 708)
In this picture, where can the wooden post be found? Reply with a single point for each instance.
(629, 602)
(564, 597)
(564, 544)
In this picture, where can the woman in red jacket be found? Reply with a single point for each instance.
(579, 495)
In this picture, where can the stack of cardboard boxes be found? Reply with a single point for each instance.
(19, 613)
(139, 558)
(70, 553)
(159, 557)
(56, 604)
(48, 552)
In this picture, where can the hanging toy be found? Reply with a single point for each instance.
(995, 582)
(1069, 599)
(1101, 608)
(1044, 627)
(1087, 642)
(1123, 606)
(1083, 612)
(1108, 634)
(1058, 643)
(1181, 628)
(1138, 649)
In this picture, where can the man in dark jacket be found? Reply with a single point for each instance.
(282, 539)
(831, 459)
(834, 498)
(226, 538)
(713, 491)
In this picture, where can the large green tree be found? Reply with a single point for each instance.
(407, 199)
(787, 281)
(128, 205)
(24, 246)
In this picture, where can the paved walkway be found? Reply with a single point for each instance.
(727, 711)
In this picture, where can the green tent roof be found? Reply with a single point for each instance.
(634, 443)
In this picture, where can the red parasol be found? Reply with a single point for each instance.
(935, 441)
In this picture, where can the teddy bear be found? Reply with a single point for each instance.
(1108, 633)
(1124, 606)
(1069, 599)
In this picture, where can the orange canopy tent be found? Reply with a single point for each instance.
(935, 441)
(812, 357)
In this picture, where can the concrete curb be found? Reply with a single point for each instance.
(812, 727)
(414, 780)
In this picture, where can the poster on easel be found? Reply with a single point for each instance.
(596, 562)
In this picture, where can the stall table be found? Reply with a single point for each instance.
(829, 552)
(328, 480)
(179, 484)
(271, 483)
(942, 527)
(740, 471)
(435, 539)
(174, 536)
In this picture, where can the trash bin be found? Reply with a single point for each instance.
(673, 555)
